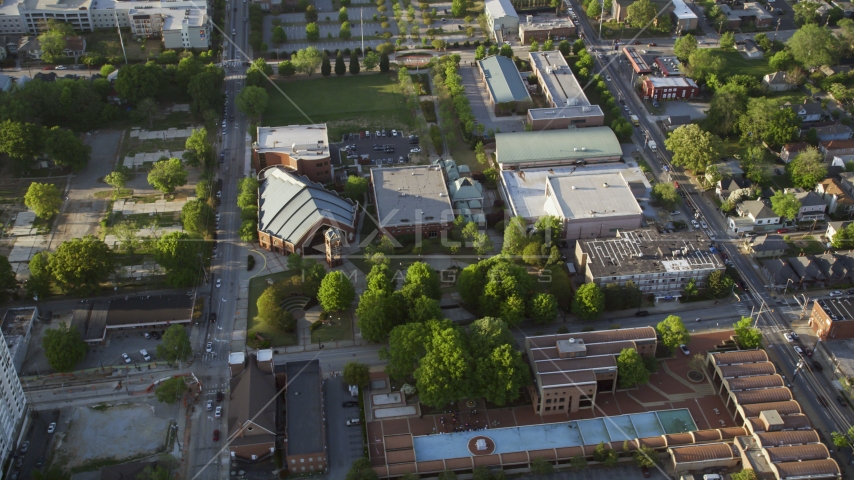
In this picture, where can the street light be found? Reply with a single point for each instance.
(787, 286)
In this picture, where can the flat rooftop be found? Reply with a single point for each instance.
(593, 196)
(839, 309)
(843, 353)
(57, 4)
(141, 310)
(527, 193)
(411, 195)
(578, 111)
(17, 321)
(647, 251)
(503, 79)
(666, 82)
(304, 412)
(544, 26)
(682, 11)
(563, 88)
(557, 145)
(298, 141)
(500, 8)
(670, 66)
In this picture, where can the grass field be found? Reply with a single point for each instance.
(736, 64)
(346, 104)
(257, 286)
(341, 328)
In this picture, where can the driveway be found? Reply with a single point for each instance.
(344, 443)
(695, 110)
(480, 109)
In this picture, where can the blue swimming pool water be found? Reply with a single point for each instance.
(557, 435)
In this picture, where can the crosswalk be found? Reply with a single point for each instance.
(211, 389)
(743, 308)
(209, 357)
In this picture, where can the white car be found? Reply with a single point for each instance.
(218, 412)
(836, 293)
(209, 405)
(218, 282)
(126, 357)
(51, 428)
(608, 78)
(62, 67)
(684, 349)
(219, 194)
(217, 217)
(703, 224)
(209, 347)
(788, 337)
(394, 133)
(695, 224)
(798, 350)
(415, 150)
(675, 212)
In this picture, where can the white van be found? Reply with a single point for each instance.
(353, 421)
(145, 355)
(712, 476)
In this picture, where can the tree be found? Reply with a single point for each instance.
(685, 46)
(646, 456)
(806, 13)
(535, 46)
(785, 205)
(287, 68)
(336, 292)
(7, 279)
(279, 36)
(357, 374)
(65, 148)
(252, 101)
(356, 187)
(443, 374)
(727, 40)
(342, 15)
(765, 121)
(52, 40)
(541, 466)
(344, 32)
(719, 284)
(665, 195)
(548, 45)
(311, 14)
(170, 390)
(458, 8)
(21, 141)
(506, 51)
(371, 61)
(354, 64)
(197, 217)
(423, 309)
(135, 82)
(814, 46)
(380, 279)
(673, 332)
(340, 67)
(639, 14)
(362, 470)
(175, 345)
(81, 264)
(781, 61)
(64, 347)
(693, 148)
(728, 104)
(420, 280)
(312, 32)
(703, 63)
(500, 374)
(515, 237)
(378, 313)
(384, 63)
(270, 310)
(543, 308)
(38, 284)
(746, 474)
(406, 345)
(589, 302)
(808, 168)
(197, 148)
(167, 174)
(622, 128)
(631, 369)
(748, 336)
(43, 199)
(178, 253)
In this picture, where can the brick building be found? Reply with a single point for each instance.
(556, 30)
(251, 416)
(412, 201)
(305, 444)
(670, 88)
(302, 149)
(832, 319)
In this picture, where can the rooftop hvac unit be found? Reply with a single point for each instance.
(605, 185)
(583, 149)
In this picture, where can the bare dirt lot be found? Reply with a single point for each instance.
(115, 433)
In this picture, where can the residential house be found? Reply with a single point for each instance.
(836, 148)
(676, 121)
(767, 246)
(807, 111)
(776, 82)
(809, 272)
(727, 186)
(834, 69)
(836, 268)
(29, 47)
(45, 76)
(833, 227)
(467, 198)
(251, 422)
(8, 45)
(780, 274)
(791, 150)
(5, 83)
(837, 131)
(751, 214)
(839, 202)
(812, 206)
(841, 161)
(728, 169)
(751, 49)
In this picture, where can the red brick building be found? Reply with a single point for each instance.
(670, 88)
(829, 321)
(302, 149)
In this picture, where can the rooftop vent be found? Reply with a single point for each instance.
(605, 185)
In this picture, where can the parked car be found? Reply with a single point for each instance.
(216, 435)
(642, 313)
(841, 400)
(798, 350)
(782, 230)
(788, 337)
(684, 349)
(209, 347)
(212, 317)
(353, 421)
(126, 357)
(350, 403)
(415, 150)
(218, 282)
(209, 405)
(25, 446)
(695, 223)
(51, 428)
(817, 366)
(653, 44)
(835, 293)
(795, 336)
(703, 224)
(218, 412)
(219, 396)
(675, 212)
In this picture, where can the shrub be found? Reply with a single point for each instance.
(250, 262)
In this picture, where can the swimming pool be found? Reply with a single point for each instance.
(558, 435)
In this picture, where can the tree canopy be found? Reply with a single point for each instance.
(589, 302)
(178, 254)
(167, 174)
(79, 265)
(748, 336)
(44, 199)
(64, 347)
(252, 101)
(665, 195)
(631, 369)
(358, 374)
(175, 344)
(198, 150)
(808, 168)
(639, 14)
(685, 46)
(765, 121)
(197, 217)
(785, 205)
(693, 148)
(336, 292)
(171, 389)
(814, 46)
(673, 332)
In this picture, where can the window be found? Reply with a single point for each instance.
(548, 400)
(433, 234)
(548, 409)
(301, 460)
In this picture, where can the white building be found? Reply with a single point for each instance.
(501, 19)
(13, 404)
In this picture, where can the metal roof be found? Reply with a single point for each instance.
(289, 207)
(790, 437)
(500, 8)
(790, 422)
(795, 453)
(747, 370)
(750, 383)
(503, 79)
(553, 145)
(810, 469)
(767, 395)
(783, 408)
(736, 358)
(703, 453)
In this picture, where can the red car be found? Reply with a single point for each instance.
(47, 68)
(783, 230)
(645, 471)
(652, 45)
(216, 435)
(636, 42)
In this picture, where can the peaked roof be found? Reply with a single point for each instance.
(769, 243)
(251, 392)
(808, 108)
(837, 145)
(758, 209)
(290, 206)
(809, 199)
(776, 78)
(503, 79)
(465, 189)
(806, 268)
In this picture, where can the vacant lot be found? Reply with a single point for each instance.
(346, 104)
(109, 435)
(736, 64)
(106, 42)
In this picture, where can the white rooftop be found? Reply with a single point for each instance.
(235, 358)
(555, 23)
(664, 82)
(591, 196)
(500, 8)
(298, 141)
(682, 11)
(411, 195)
(527, 193)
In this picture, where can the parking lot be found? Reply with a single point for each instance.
(378, 149)
(345, 443)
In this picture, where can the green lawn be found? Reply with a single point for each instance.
(736, 64)
(257, 285)
(340, 329)
(346, 104)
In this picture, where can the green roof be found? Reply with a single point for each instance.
(503, 79)
(554, 145)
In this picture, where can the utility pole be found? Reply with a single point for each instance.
(601, 16)
(779, 20)
(362, 29)
(121, 41)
